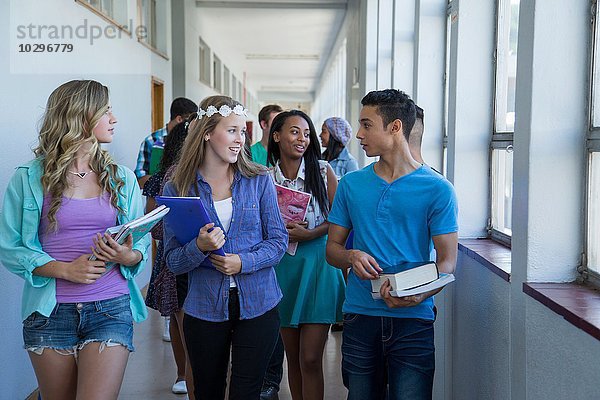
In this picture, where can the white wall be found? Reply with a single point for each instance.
(562, 361)
(124, 65)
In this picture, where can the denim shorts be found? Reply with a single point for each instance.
(71, 326)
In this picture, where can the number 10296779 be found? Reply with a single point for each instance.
(45, 48)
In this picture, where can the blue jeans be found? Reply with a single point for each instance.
(401, 347)
(71, 326)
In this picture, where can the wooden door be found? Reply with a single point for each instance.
(158, 102)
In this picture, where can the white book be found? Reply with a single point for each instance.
(442, 281)
(407, 275)
(138, 227)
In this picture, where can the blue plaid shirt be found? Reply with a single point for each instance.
(142, 167)
(256, 233)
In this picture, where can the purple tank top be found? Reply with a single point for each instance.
(78, 221)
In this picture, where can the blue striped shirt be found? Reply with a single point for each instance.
(256, 233)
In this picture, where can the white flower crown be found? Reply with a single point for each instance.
(224, 110)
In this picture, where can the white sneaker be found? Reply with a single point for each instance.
(179, 387)
(166, 335)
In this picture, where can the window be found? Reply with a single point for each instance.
(204, 62)
(234, 89)
(226, 81)
(217, 74)
(154, 24)
(504, 119)
(593, 148)
(451, 16)
(113, 10)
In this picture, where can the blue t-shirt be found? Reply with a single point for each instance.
(394, 223)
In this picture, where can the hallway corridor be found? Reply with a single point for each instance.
(151, 369)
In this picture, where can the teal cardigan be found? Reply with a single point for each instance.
(21, 251)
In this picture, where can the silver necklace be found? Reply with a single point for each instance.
(81, 175)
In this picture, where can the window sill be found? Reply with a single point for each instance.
(153, 49)
(493, 255)
(578, 304)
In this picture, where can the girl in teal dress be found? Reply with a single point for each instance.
(313, 290)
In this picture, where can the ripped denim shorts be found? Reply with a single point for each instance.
(71, 326)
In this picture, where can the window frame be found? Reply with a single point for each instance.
(226, 81)
(500, 140)
(151, 29)
(451, 9)
(204, 62)
(592, 142)
(217, 73)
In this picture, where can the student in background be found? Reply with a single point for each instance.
(415, 139)
(265, 118)
(335, 134)
(181, 109)
(231, 305)
(77, 314)
(274, 372)
(399, 209)
(313, 291)
(167, 291)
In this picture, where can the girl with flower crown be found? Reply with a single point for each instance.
(231, 302)
(78, 315)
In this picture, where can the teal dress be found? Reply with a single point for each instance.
(313, 290)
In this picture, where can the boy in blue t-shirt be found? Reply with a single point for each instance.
(399, 209)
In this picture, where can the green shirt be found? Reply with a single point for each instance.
(259, 154)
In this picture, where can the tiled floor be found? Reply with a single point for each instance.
(151, 369)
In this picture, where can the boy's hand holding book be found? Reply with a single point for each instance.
(363, 265)
(109, 250)
(396, 302)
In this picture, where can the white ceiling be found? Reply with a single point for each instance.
(282, 46)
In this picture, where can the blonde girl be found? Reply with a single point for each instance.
(77, 314)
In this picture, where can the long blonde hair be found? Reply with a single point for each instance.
(72, 112)
(194, 148)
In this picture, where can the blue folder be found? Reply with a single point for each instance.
(186, 217)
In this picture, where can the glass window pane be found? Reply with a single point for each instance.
(502, 176)
(226, 81)
(114, 9)
(506, 64)
(596, 75)
(217, 73)
(593, 234)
